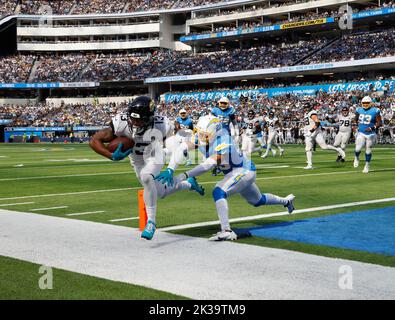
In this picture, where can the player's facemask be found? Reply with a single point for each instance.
(223, 105)
(366, 105)
(183, 115)
(204, 138)
(137, 124)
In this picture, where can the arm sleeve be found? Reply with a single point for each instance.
(207, 165)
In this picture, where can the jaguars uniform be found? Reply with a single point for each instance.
(345, 130)
(272, 128)
(250, 135)
(315, 137)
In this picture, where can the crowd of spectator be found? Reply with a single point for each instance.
(288, 108)
(74, 67)
(63, 7)
(357, 46)
(49, 115)
(16, 68)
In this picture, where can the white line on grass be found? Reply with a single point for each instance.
(123, 219)
(82, 213)
(14, 204)
(43, 209)
(284, 213)
(209, 182)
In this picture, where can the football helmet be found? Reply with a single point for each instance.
(207, 129)
(140, 114)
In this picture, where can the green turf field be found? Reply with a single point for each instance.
(72, 179)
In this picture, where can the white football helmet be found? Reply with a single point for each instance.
(366, 102)
(207, 129)
(223, 103)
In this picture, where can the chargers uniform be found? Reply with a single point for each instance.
(226, 117)
(367, 119)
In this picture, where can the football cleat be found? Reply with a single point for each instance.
(282, 152)
(339, 158)
(366, 168)
(274, 152)
(227, 235)
(195, 186)
(290, 204)
(308, 167)
(341, 153)
(264, 156)
(356, 162)
(149, 230)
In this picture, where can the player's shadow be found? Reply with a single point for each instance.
(177, 239)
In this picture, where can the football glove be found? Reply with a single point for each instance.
(166, 177)
(118, 154)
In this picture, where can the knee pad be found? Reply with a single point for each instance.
(219, 194)
(146, 179)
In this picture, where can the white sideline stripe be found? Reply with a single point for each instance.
(209, 182)
(14, 204)
(67, 176)
(284, 213)
(43, 209)
(123, 219)
(82, 213)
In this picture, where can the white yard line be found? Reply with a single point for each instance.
(15, 204)
(51, 208)
(187, 266)
(123, 219)
(284, 213)
(82, 213)
(210, 182)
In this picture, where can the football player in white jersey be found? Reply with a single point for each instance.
(272, 126)
(344, 121)
(148, 132)
(313, 133)
(251, 128)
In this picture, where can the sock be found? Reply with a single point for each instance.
(151, 213)
(368, 157)
(309, 155)
(273, 199)
(357, 153)
(222, 210)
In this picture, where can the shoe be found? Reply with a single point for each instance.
(274, 152)
(339, 158)
(195, 186)
(149, 230)
(342, 153)
(264, 156)
(308, 167)
(290, 203)
(227, 235)
(366, 168)
(356, 162)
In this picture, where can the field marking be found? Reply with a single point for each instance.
(14, 204)
(123, 219)
(43, 209)
(82, 213)
(208, 182)
(67, 176)
(283, 213)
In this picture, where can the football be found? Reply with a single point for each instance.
(127, 144)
